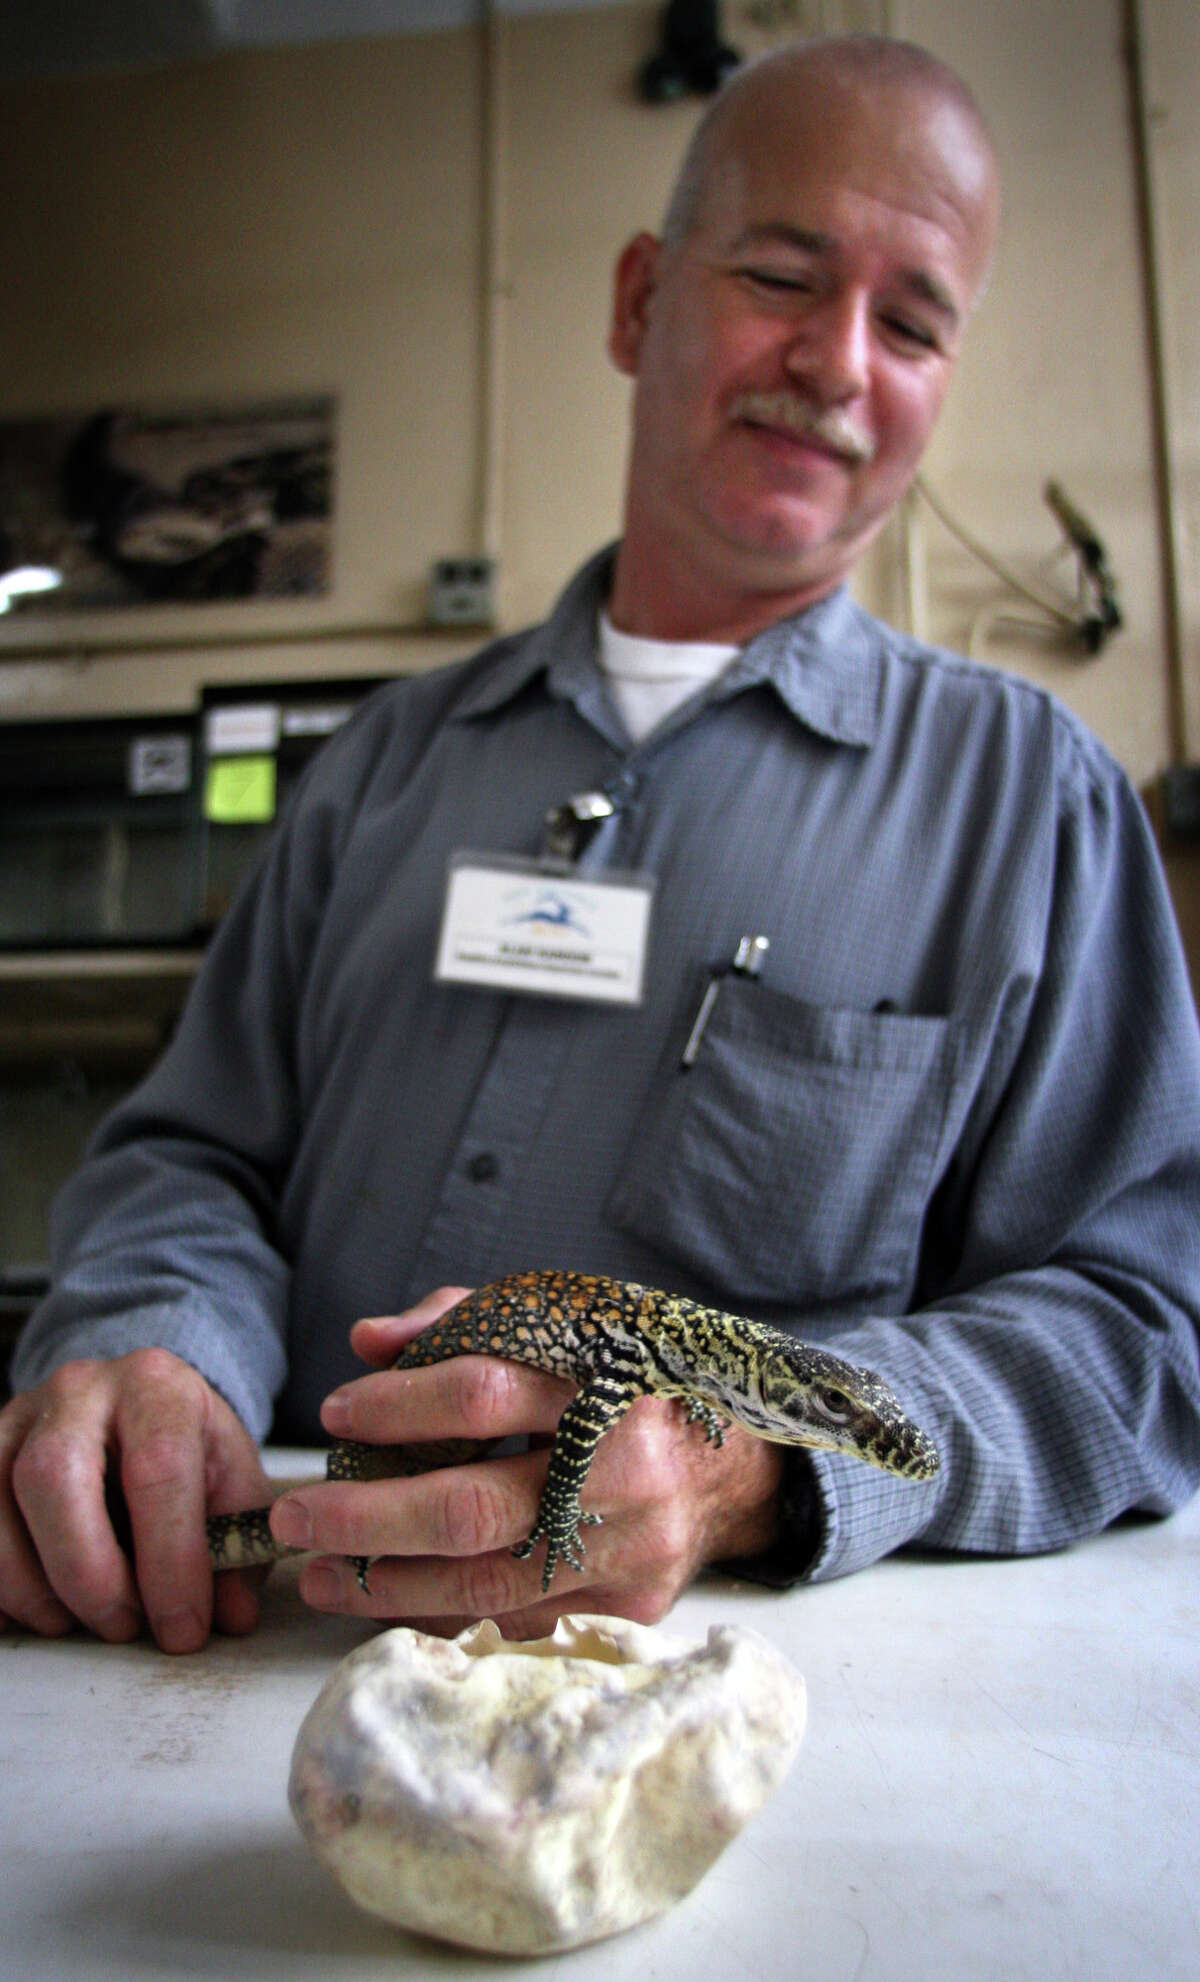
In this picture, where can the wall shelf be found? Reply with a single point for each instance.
(100, 1008)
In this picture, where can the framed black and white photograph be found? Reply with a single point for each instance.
(125, 506)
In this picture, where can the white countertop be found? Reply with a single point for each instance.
(1000, 1780)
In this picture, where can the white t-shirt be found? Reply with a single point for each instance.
(649, 678)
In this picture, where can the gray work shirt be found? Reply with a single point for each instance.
(954, 1129)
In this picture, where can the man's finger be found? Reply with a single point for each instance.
(492, 1585)
(379, 1338)
(58, 1479)
(467, 1397)
(186, 1454)
(28, 1600)
(163, 1480)
(456, 1512)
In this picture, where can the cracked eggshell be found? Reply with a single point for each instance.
(528, 1797)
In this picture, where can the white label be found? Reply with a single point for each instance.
(515, 926)
(317, 719)
(159, 765)
(242, 729)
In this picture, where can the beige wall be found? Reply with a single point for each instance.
(1053, 382)
(1174, 76)
(311, 219)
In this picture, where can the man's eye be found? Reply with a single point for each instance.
(917, 336)
(774, 279)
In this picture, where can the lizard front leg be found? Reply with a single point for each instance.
(583, 1424)
(715, 1426)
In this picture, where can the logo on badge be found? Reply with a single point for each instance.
(549, 909)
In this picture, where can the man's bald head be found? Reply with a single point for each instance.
(804, 83)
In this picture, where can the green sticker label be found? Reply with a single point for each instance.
(240, 791)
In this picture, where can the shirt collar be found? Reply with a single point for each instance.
(824, 663)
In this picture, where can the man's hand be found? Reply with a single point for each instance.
(442, 1541)
(148, 1425)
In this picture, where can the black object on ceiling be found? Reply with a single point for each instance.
(693, 59)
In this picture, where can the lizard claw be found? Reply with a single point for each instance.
(567, 1543)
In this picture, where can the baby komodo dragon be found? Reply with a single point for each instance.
(618, 1341)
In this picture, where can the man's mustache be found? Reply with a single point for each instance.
(828, 425)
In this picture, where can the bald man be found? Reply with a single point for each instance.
(950, 1130)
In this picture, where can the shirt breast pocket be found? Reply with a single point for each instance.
(793, 1160)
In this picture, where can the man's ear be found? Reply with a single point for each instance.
(634, 283)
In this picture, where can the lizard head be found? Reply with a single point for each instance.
(799, 1395)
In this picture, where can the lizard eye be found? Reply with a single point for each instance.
(834, 1405)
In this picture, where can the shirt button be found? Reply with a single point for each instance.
(482, 1168)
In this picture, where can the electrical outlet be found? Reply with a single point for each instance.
(462, 591)
(1181, 801)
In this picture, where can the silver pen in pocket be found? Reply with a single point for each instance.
(747, 961)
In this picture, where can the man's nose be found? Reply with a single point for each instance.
(831, 355)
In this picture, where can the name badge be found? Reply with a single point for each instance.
(530, 926)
